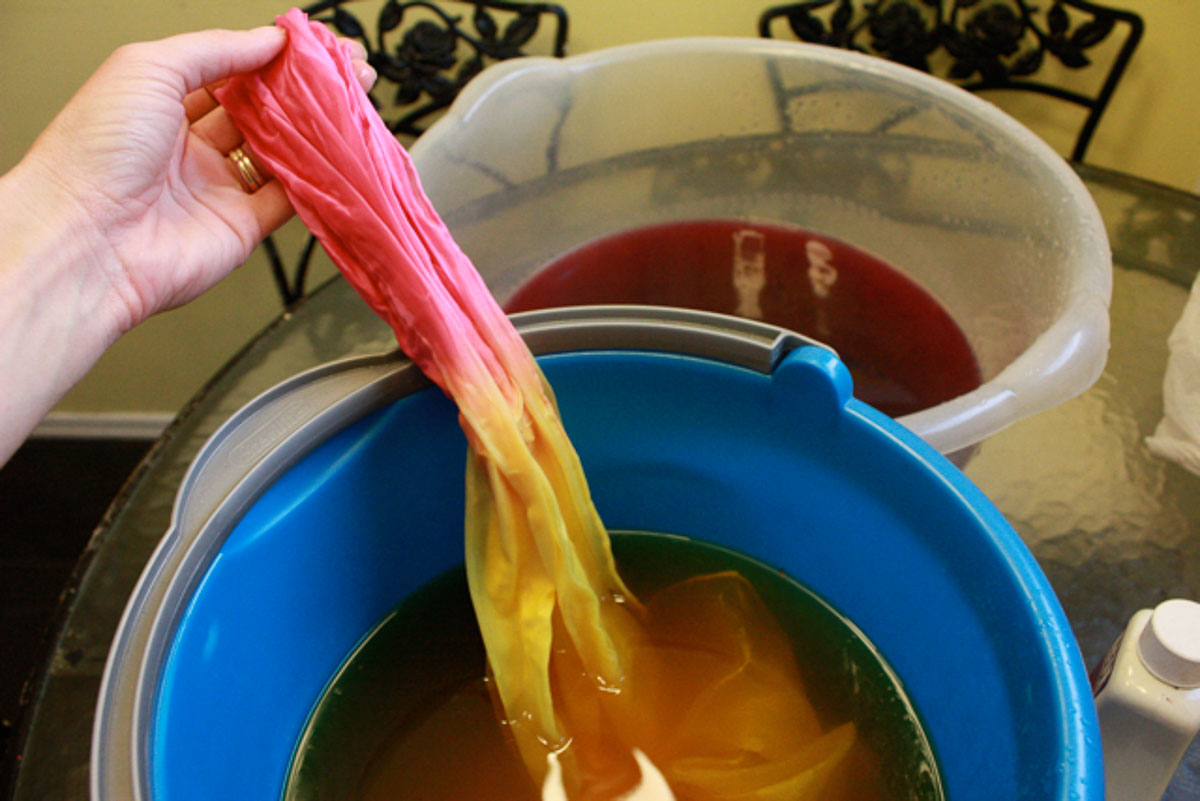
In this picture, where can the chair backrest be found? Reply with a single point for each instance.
(1001, 44)
(424, 53)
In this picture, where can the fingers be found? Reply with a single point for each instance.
(204, 68)
(201, 101)
(212, 123)
(197, 104)
(358, 51)
(246, 168)
(217, 129)
(202, 58)
(270, 206)
(365, 73)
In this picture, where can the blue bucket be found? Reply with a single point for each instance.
(716, 430)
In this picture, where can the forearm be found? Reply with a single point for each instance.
(58, 303)
(126, 206)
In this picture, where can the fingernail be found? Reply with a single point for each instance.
(366, 76)
(357, 49)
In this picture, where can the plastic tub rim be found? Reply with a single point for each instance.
(970, 418)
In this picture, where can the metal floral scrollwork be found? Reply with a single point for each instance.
(424, 56)
(987, 44)
(425, 65)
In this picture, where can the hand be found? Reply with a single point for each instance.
(141, 152)
(125, 206)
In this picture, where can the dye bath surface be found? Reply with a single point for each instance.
(904, 350)
(410, 714)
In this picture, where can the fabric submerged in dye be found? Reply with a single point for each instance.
(568, 645)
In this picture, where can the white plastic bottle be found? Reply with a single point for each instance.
(1147, 693)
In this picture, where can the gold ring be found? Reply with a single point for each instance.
(245, 170)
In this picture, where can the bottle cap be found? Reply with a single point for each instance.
(1170, 643)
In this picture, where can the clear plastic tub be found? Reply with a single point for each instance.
(540, 156)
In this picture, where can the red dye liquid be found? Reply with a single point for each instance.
(903, 349)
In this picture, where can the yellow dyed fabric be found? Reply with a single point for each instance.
(577, 661)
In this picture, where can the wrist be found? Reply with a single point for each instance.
(61, 255)
(57, 301)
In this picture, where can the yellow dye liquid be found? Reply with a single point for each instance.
(411, 714)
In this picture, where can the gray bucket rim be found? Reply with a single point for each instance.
(272, 432)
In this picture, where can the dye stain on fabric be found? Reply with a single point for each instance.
(904, 350)
(590, 680)
(411, 714)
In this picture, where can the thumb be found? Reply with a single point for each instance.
(204, 57)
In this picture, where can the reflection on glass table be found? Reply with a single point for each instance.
(1115, 528)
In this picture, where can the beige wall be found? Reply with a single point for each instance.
(48, 47)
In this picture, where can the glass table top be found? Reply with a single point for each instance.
(1115, 528)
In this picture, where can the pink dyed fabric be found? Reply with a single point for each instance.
(312, 126)
(536, 550)
(573, 656)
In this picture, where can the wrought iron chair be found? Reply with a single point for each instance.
(424, 55)
(994, 44)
